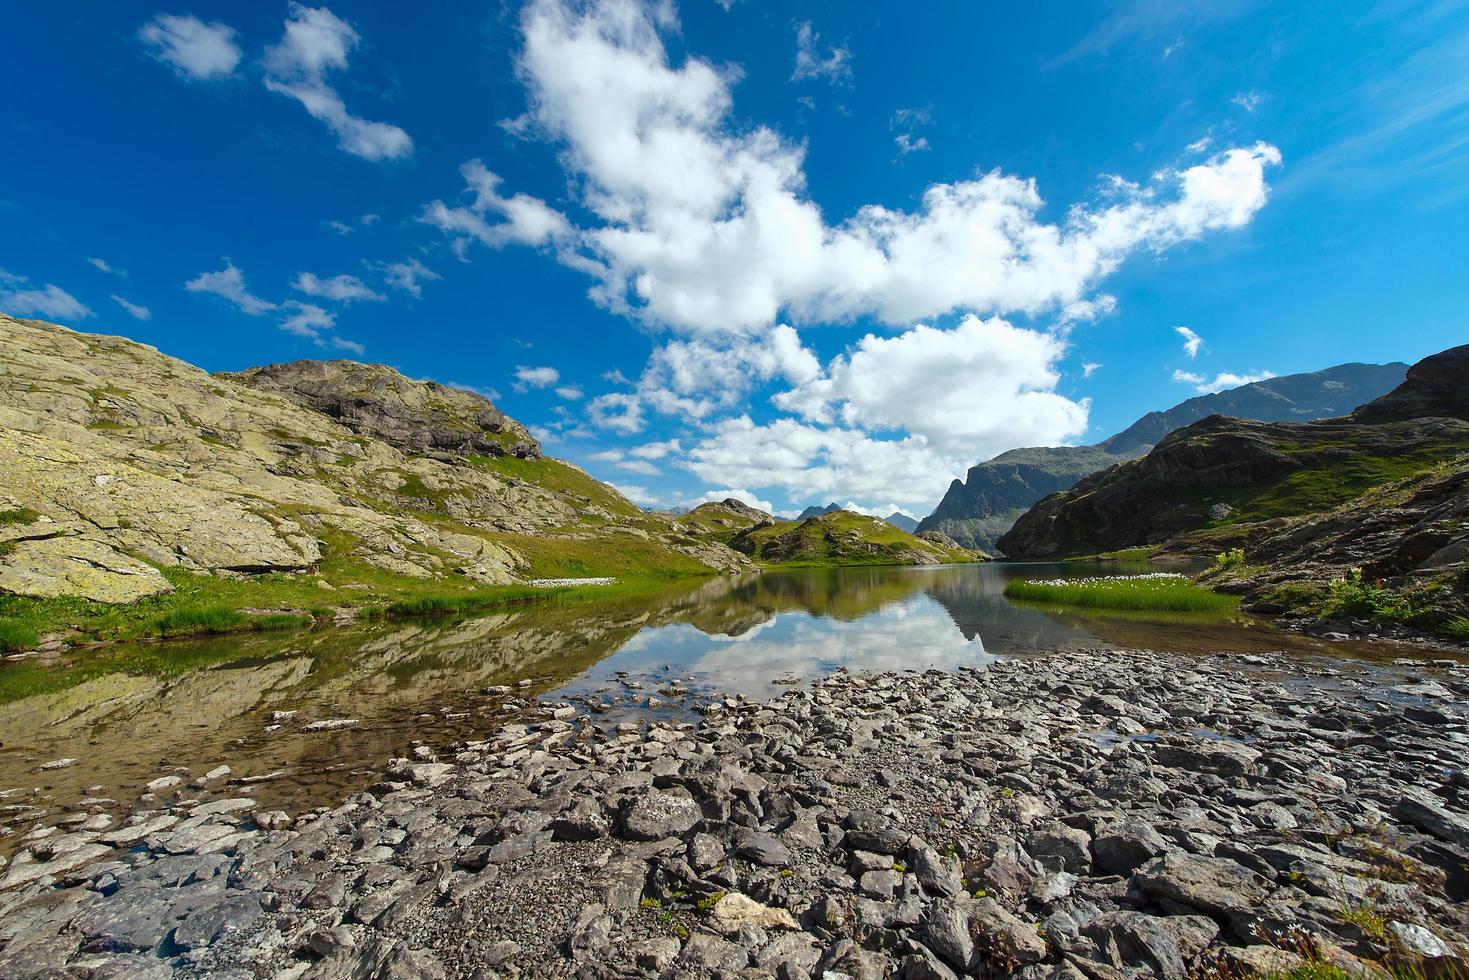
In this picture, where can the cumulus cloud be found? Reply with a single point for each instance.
(317, 41)
(341, 289)
(192, 48)
(519, 219)
(1090, 368)
(49, 300)
(1221, 381)
(698, 377)
(408, 276)
(1192, 342)
(1188, 377)
(571, 393)
(982, 387)
(229, 283)
(135, 310)
(835, 66)
(527, 378)
(818, 462)
(706, 226)
(617, 411)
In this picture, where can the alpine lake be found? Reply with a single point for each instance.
(304, 718)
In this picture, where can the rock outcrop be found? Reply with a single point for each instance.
(415, 417)
(118, 463)
(977, 511)
(843, 538)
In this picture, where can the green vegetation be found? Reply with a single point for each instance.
(1232, 558)
(557, 477)
(18, 515)
(14, 636)
(1354, 596)
(838, 538)
(1157, 592)
(1141, 553)
(190, 620)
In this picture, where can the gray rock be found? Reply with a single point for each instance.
(1000, 932)
(203, 927)
(1122, 850)
(946, 932)
(656, 955)
(1429, 815)
(1162, 944)
(656, 815)
(1215, 886)
(1217, 756)
(1062, 849)
(938, 874)
(763, 849)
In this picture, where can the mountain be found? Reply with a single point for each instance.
(842, 538)
(902, 522)
(979, 510)
(1225, 482)
(814, 511)
(129, 474)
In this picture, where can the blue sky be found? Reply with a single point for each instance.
(807, 252)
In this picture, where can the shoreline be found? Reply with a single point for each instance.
(845, 826)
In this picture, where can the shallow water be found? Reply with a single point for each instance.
(136, 712)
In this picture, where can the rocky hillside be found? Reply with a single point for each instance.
(902, 522)
(844, 538)
(127, 471)
(979, 510)
(1224, 482)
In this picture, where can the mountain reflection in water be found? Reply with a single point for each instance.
(134, 712)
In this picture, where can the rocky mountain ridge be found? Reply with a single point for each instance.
(123, 464)
(978, 510)
(1383, 493)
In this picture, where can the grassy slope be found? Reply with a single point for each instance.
(1130, 594)
(814, 544)
(558, 477)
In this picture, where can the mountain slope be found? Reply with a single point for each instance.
(130, 474)
(979, 510)
(1225, 482)
(842, 538)
(902, 522)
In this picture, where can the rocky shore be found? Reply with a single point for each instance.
(1081, 815)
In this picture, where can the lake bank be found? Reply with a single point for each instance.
(1144, 810)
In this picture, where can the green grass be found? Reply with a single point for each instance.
(18, 515)
(1141, 553)
(14, 636)
(557, 477)
(1134, 593)
(838, 538)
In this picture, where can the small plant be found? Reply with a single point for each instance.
(18, 515)
(787, 873)
(1355, 596)
(14, 636)
(651, 903)
(681, 931)
(1458, 628)
(900, 867)
(1232, 558)
(706, 905)
(1366, 918)
(211, 619)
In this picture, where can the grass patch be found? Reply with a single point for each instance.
(18, 515)
(189, 621)
(838, 538)
(14, 636)
(559, 478)
(1137, 593)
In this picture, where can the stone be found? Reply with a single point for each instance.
(735, 911)
(1219, 756)
(763, 849)
(656, 955)
(655, 816)
(76, 566)
(938, 874)
(1164, 945)
(999, 932)
(1122, 850)
(880, 884)
(1419, 941)
(707, 956)
(1062, 849)
(946, 932)
(1429, 815)
(1215, 886)
(206, 925)
(583, 820)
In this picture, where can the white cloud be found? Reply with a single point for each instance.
(615, 377)
(701, 224)
(307, 320)
(814, 462)
(1192, 342)
(1222, 381)
(49, 301)
(368, 220)
(135, 310)
(524, 220)
(409, 276)
(907, 144)
(570, 392)
(527, 378)
(695, 378)
(978, 389)
(1090, 368)
(229, 283)
(340, 227)
(657, 450)
(103, 266)
(641, 496)
(835, 67)
(315, 42)
(617, 411)
(738, 493)
(193, 48)
(1248, 101)
(342, 289)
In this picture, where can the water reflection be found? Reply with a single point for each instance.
(133, 713)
